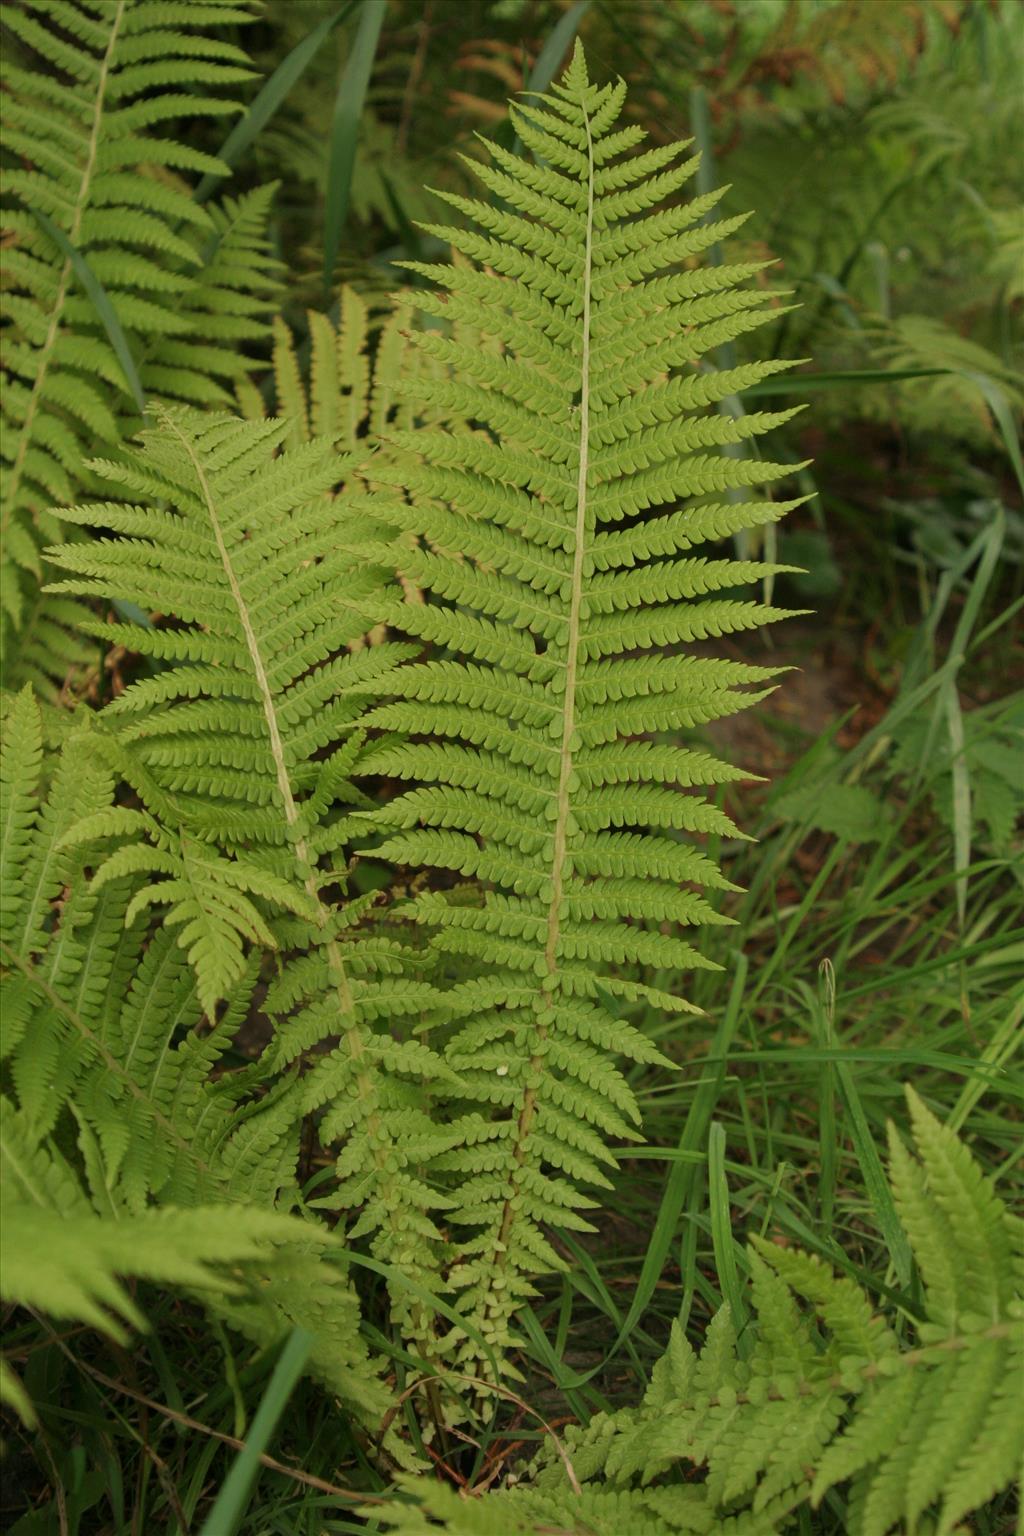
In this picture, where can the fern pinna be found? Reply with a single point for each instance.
(552, 543)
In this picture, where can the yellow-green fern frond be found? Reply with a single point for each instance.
(553, 542)
(62, 1258)
(242, 748)
(821, 1395)
(107, 1056)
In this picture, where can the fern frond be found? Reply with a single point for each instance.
(88, 87)
(242, 751)
(555, 602)
(104, 1048)
(257, 1267)
(825, 1395)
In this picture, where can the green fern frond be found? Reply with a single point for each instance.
(242, 750)
(89, 88)
(62, 1258)
(557, 605)
(244, 737)
(433, 1507)
(824, 1394)
(104, 1049)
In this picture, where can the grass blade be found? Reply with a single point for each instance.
(233, 1500)
(722, 1240)
(961, 799)
(875, 1183)
(269, 97)
(828, 1131)
(348, 110)
(998, 404)
(681, 1178)
(105, 312)
(797, 383)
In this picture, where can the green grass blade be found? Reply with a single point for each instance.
(348, 110)
(961, 798)
(269, 97)
(828, 1130)
(682, 1175)
(998, 404)
(232, 1502)
(797, 383)
(875, 1182)
(722, 1240)
(100, 301)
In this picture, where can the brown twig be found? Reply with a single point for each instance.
(306, 1478)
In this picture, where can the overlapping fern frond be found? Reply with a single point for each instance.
(346, 380)
(98, 1011)
(554, 545)
(115, 1108)
(96, 177)
(242, 748)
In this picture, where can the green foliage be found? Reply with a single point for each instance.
(370, 914)
(86, 83)
(562, 615)
(817, 1391)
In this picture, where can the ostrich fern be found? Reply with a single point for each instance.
(553, 543)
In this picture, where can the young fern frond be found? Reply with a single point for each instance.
(242, 750)
(89, 89)
(335, 400)
(554, 553)
(346, 382)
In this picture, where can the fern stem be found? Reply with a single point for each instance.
(56, 314)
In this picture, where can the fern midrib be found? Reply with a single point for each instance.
(564, 805)
(56, 314)
(335, 963)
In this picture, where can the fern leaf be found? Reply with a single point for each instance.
(241, 751)
(824, 1395)
(552, 599)
(87, 87)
